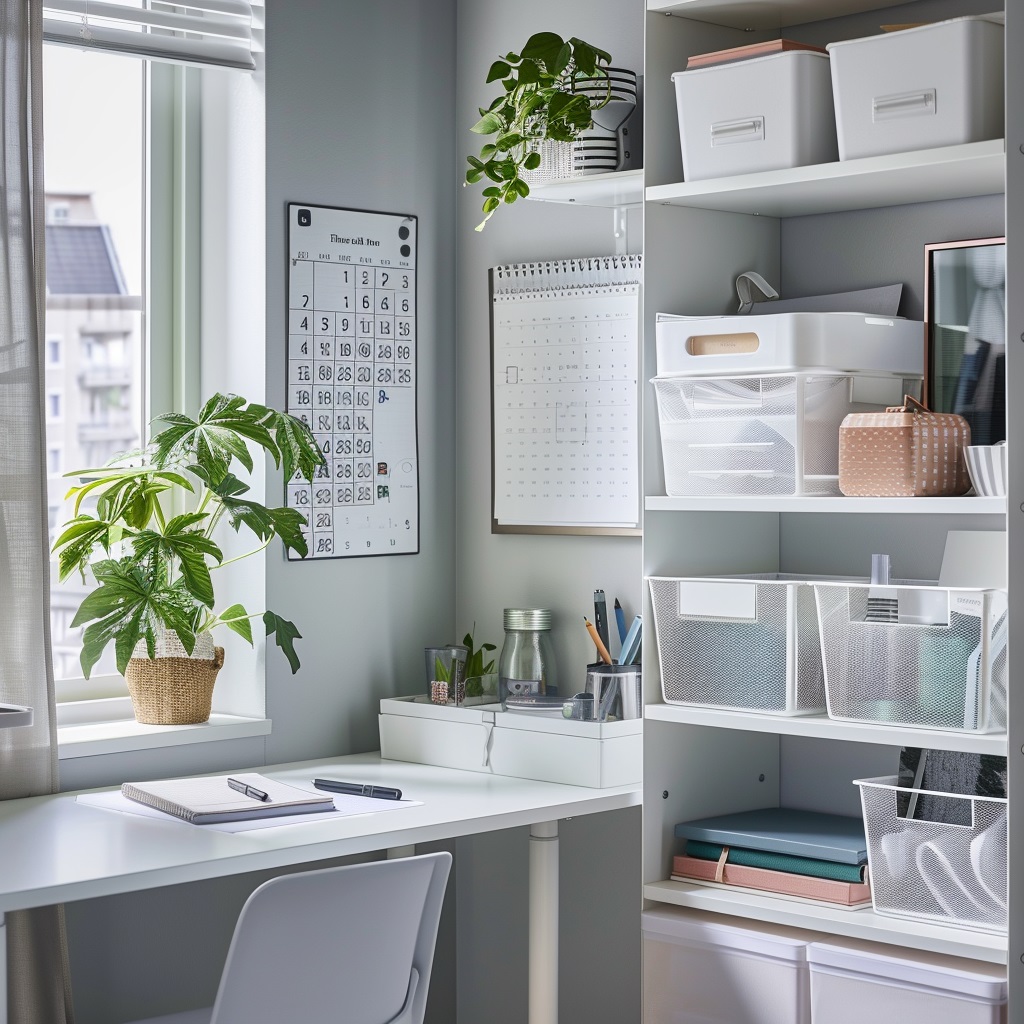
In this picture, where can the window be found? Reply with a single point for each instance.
(123, 193)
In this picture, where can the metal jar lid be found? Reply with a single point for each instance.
(527, 618)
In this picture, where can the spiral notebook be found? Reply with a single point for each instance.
(565, 371)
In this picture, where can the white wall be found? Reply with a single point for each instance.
(600, 857)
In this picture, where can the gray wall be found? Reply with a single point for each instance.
(339, 78)
(600, 919)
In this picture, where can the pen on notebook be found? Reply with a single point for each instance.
(601, 649)
(358, 789)
(601, 617)
(620, 621)
(244, 788)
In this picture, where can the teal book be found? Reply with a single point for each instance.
(833, 837)
(778, 862)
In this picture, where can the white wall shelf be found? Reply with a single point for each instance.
(823, 727)
(952, 172)
(824, 503)
(860, 924)
(616, 188)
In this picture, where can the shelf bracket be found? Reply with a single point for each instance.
(619, 225)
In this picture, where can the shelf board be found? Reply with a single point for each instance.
(616, 188)
(986, 506)
(759, 14)
(952, 172)
(860, 924)
(823, 727)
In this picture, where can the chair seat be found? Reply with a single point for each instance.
(187, 1017)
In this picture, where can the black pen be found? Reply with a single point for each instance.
(358, 789)
(247, 790)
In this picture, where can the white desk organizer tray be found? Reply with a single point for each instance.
(950, 871)
(764, 435)
(787, 343)
(746, 643)
(941, 665)
(486, 739)
(756, 115)
(933, 85)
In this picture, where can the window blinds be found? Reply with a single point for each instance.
(207, 32)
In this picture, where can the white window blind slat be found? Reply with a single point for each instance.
(206, 32)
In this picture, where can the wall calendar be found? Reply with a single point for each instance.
(352, 377)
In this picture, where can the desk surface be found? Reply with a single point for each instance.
(55, 850)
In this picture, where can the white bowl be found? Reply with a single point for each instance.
(986, 466)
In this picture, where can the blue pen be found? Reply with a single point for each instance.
(620, 621)
(631, 645)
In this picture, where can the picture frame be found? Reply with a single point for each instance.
(965, 333)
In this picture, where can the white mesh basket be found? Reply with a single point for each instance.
(775, 434)
(951, 871)
(942, 665)
(748, 643)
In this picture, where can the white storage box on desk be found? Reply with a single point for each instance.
(771, 434)
(713, 969)
(951, 871)
(853, 982)
(924, 87)
(483, 738)
(702, 346)
(746, 643)
(756, 115)
(940, 665)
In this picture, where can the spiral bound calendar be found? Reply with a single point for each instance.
(565, 364)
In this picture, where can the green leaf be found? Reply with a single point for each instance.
(491, 204)
(487, 151)
(521, 187)
(284, 633)
(499, 69)
(531, 163)
(186, 546)
(545, 47)
(473, 175)
(294, 440)
(488, 124)
(529, 73)
(440, 672)
(492, 190)
(509, 140)
(585, 57)
(562, 60)
(493, 170)
(237, 620)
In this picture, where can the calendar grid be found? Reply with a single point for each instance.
(352, 378)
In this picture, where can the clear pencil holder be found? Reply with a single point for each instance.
(446, 674)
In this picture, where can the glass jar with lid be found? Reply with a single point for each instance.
(527, 662)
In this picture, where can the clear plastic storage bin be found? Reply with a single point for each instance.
(933, 85)
(942, 665)
(951, 871)
(748, 643)
(776, 434)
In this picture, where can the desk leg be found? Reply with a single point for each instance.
(543, 1006)
(3, 970)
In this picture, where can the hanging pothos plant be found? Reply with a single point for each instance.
(537, 103)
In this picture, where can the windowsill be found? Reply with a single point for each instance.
(109, 727)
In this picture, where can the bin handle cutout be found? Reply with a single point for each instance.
(903, 104)
(747, 129)
(722, 344)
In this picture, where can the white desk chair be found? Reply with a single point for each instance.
(346, 945)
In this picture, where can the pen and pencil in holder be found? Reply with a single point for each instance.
(614, 692)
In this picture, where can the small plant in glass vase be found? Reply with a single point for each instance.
(538, 106)
(481, 677)
(151, 547)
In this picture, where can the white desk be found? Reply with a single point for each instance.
(54, 850)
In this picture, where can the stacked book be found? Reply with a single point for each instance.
(802, 854)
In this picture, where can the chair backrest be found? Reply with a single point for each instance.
(345, 945)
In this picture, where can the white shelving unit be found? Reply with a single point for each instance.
(614, 189)
(697, 237)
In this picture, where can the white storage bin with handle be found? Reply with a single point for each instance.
(711, 969)
(950, 871)
(920, 88)
(756, 115)
(853, 982)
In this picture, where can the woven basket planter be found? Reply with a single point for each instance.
(174, 688)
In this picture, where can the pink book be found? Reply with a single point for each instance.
(827, 890)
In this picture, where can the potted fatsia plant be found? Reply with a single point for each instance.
(150, 544)
(538, 103)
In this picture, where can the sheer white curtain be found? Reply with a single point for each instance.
(37, 979)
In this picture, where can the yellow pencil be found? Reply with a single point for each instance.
(601, 649)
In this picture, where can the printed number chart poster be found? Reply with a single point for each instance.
(352, 377)
(566, 422)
